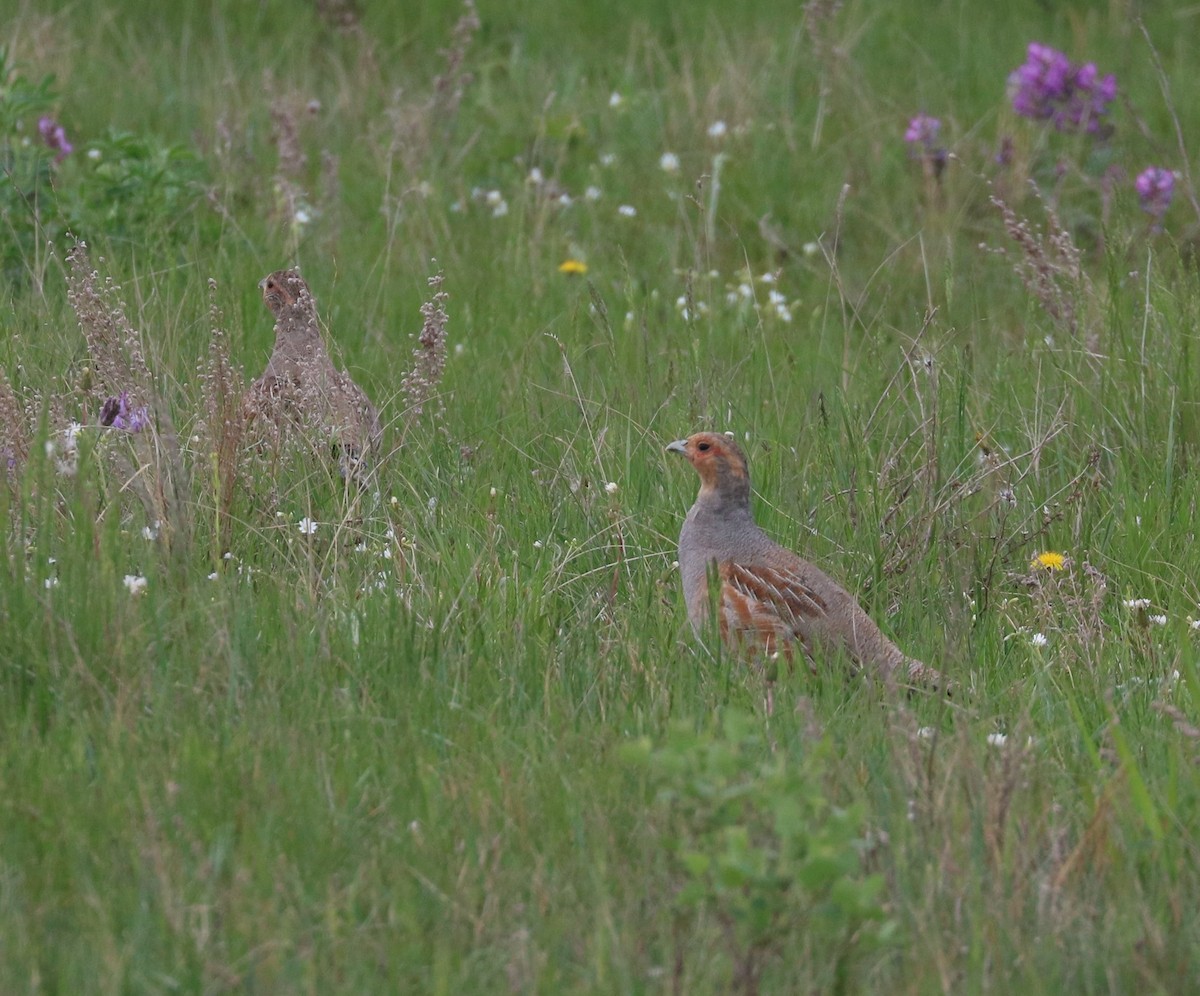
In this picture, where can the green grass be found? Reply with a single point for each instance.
(401, 754)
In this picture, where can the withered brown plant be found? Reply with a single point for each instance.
(147, 459)
(421, 384)
(14, 434)
(1050, 265)
(222, 384)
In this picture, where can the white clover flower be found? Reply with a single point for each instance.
(997, 739)
(767, 278)
(94, 154)
(302, 217)
(135, 583)
(615, 99)
(668, 162)
(627, 211)
(810, 248)
(500, 210)
(784, 313)
(1137, 603)
(611, 487)
(307, 526)
(1039, 640)
(593, 193)
(608, 158)
(717, 129)
(493, 197)
(535, 177)
(564, 200)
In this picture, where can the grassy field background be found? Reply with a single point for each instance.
(460, 738)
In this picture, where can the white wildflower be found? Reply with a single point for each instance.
(615, 99)
(608, 159)
(668, 162)
(213, 576)
(997, 739)
(308, 526)
(1160, 620)
(611, 487)
(1137, 603)
(593, 193)
(627, 211)
(135, 583)
(50, 583)
(500, 210)
(1039, 640)
(717, 129)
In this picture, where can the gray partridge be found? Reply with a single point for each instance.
(769, 599)
(301, 386)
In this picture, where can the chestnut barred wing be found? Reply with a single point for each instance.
(764, 605)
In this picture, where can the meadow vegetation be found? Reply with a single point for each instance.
(267, 731)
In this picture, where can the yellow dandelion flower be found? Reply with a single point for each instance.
(1049, 561)
(573, 267)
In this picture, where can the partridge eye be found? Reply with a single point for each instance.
(702, 447)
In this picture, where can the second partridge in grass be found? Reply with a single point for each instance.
(768, 599)
(301, 389)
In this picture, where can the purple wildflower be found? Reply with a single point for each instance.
(922, 135)
(923, 130)
(55, 137)
(1049, 87)
(117, 414)
(1155, 187)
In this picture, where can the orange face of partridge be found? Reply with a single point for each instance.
(281, 288)
(718, 460)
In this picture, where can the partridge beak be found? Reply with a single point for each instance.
(679, 446)
(262, 284)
